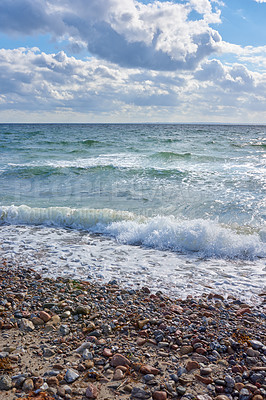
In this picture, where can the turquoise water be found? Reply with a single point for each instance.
(191, 171)
(185, 190)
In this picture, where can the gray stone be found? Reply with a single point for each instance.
(5, 382)
(230, 382)
(64, 330)
(256, 344)
(138, 393)
(26, 325)
(244, 394)
(87, 355)
(48, 352)
(71, 376)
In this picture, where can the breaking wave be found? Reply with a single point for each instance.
(206, 237)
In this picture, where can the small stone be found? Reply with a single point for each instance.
(204, 397)
(138, 393)
(142, 323)
(230, 382)
(48, 352)
(55, 320)
(5, 382)
(118, 375)
(205, 371)
(256, 344)
(186, 350)
(119, 359)
(44, 316)
(71, 376)
(91, 391)
(107, 352)
(37, 321)
(52, 381)
(181, 390)
(239, 386)
(257, 397)
(148, 369)
(82, 310)
(221, 397)
(159, 395)
(192, 365)
(66, 314)
(26, 325)
(87, 355)
(28, 385)
(244, 394)
(64, 330)
(206, 380)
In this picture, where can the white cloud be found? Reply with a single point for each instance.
(260, 1)
(158, 35)
(93, 90)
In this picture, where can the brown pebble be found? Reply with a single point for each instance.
(44, 316)
(118, 375)
(107, 352)
(221, 397)
(119, 359)
(148, 369)
(239, 386)
(141, 341)
(186, 350)
(159, 395)
(257, 397)
(52, 381)
(192, 365)
(204, 379)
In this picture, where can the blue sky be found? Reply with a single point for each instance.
(133, 61)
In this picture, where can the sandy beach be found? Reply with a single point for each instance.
(68, 339)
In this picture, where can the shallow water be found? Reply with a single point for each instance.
(176, 207)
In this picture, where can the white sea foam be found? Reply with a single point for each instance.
(206, 237)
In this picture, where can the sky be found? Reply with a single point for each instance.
(186, 61)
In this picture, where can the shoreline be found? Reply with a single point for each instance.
(71, 339)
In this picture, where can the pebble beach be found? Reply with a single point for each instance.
(71, 339)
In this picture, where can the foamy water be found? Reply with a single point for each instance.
(179, 208)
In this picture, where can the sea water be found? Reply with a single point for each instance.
(180, 208)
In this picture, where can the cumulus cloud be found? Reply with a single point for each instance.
(32, 81)
(158, 35)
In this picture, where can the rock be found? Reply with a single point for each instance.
(107, 352)
(66, 314)
(256, 344)
(37, 321)
(239, 386)
(205, 371)
(221, 397)
(64, 330)
(87, 355)
(138, 393)
(48, 352)
(71, 376)
(118, 375)
(119, 359)
(192, 365)
(186, 350)
(52, 381)
(204, 397)
(244, 394)
(26, 325)
(181, 390)
(230, 382)
(82, 310)
(206, 380)
(44, 316)
(148, 369)
(55, 320)
(91, 391)
(142, 323)
(159, 395)
(28, 385)
(5, 382)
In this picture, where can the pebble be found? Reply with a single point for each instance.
(5, 382)
(44, 316)
(91, 391)
(138, 393)
(119, 359)
(26, 325)
(71, 376)
(28, 385)
(159, 395)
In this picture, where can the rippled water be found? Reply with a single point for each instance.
(189, 192)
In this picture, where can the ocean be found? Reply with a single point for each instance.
(177, 208)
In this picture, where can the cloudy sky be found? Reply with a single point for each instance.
(133, 61)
